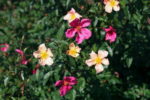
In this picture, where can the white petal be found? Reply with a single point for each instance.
(78, 15)
(67, 17)
(48, 61)
(36, 54)
(99, 68)
(93, 55)
(102, 53)
(90, 62)
(105, 62)
(116, 8)
(49, 52)
(72, 46)
(76, 55)
(78, 49)
(42, 47)
(108, 8)
(72, 10)
(42, 62)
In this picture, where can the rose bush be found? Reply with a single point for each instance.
(45, 57)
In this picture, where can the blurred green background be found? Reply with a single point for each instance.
(25, 24)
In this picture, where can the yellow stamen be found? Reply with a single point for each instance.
(113, 3)
(72, 52)
(44, 55)
(73, 16)
(98, 60)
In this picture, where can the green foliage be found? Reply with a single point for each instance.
(25, 24)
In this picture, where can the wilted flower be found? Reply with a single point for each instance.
(72, 15)
(73, 50)
(4, 47)
(44, 55)
(98, 60)
(23, 58)
(111, 5)
(79, 28)
(66, 84)
(110, 34)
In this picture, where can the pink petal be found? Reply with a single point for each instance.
(19, 51)
(64, 89)
(59, 83)
(24, 61)
(5, 48)
(79, 39)
(70, 33)
(34, 71)
(85, 22)
(111, 37)
(90, 62)
(110, 34)
(109, 29)
(72, 80)
(75, 23)
(86, 33)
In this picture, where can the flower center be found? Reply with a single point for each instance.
(65, 83)
(98, 60)
(72, 52)
(73, 16)
(112, 3)
(44, 55)
(78, 27)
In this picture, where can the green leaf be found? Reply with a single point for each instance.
(129, 62)
(71, 95)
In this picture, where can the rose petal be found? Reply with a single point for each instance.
(71, 80)
(102, 53)
(48, 61)
(79, 39)
(24, 61)
(108, 8)
(42, 47)
(36, 54)
(116, 8)
(34, 71)
(90, 62)
(20, 52)
(111, 36)
(59, 83)
(5, 48)
(70, 33)
(99, 68)
(86, 33)
(75, 22)
(105, 62)
(64, 89)
(93, 55)
(85, 22)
